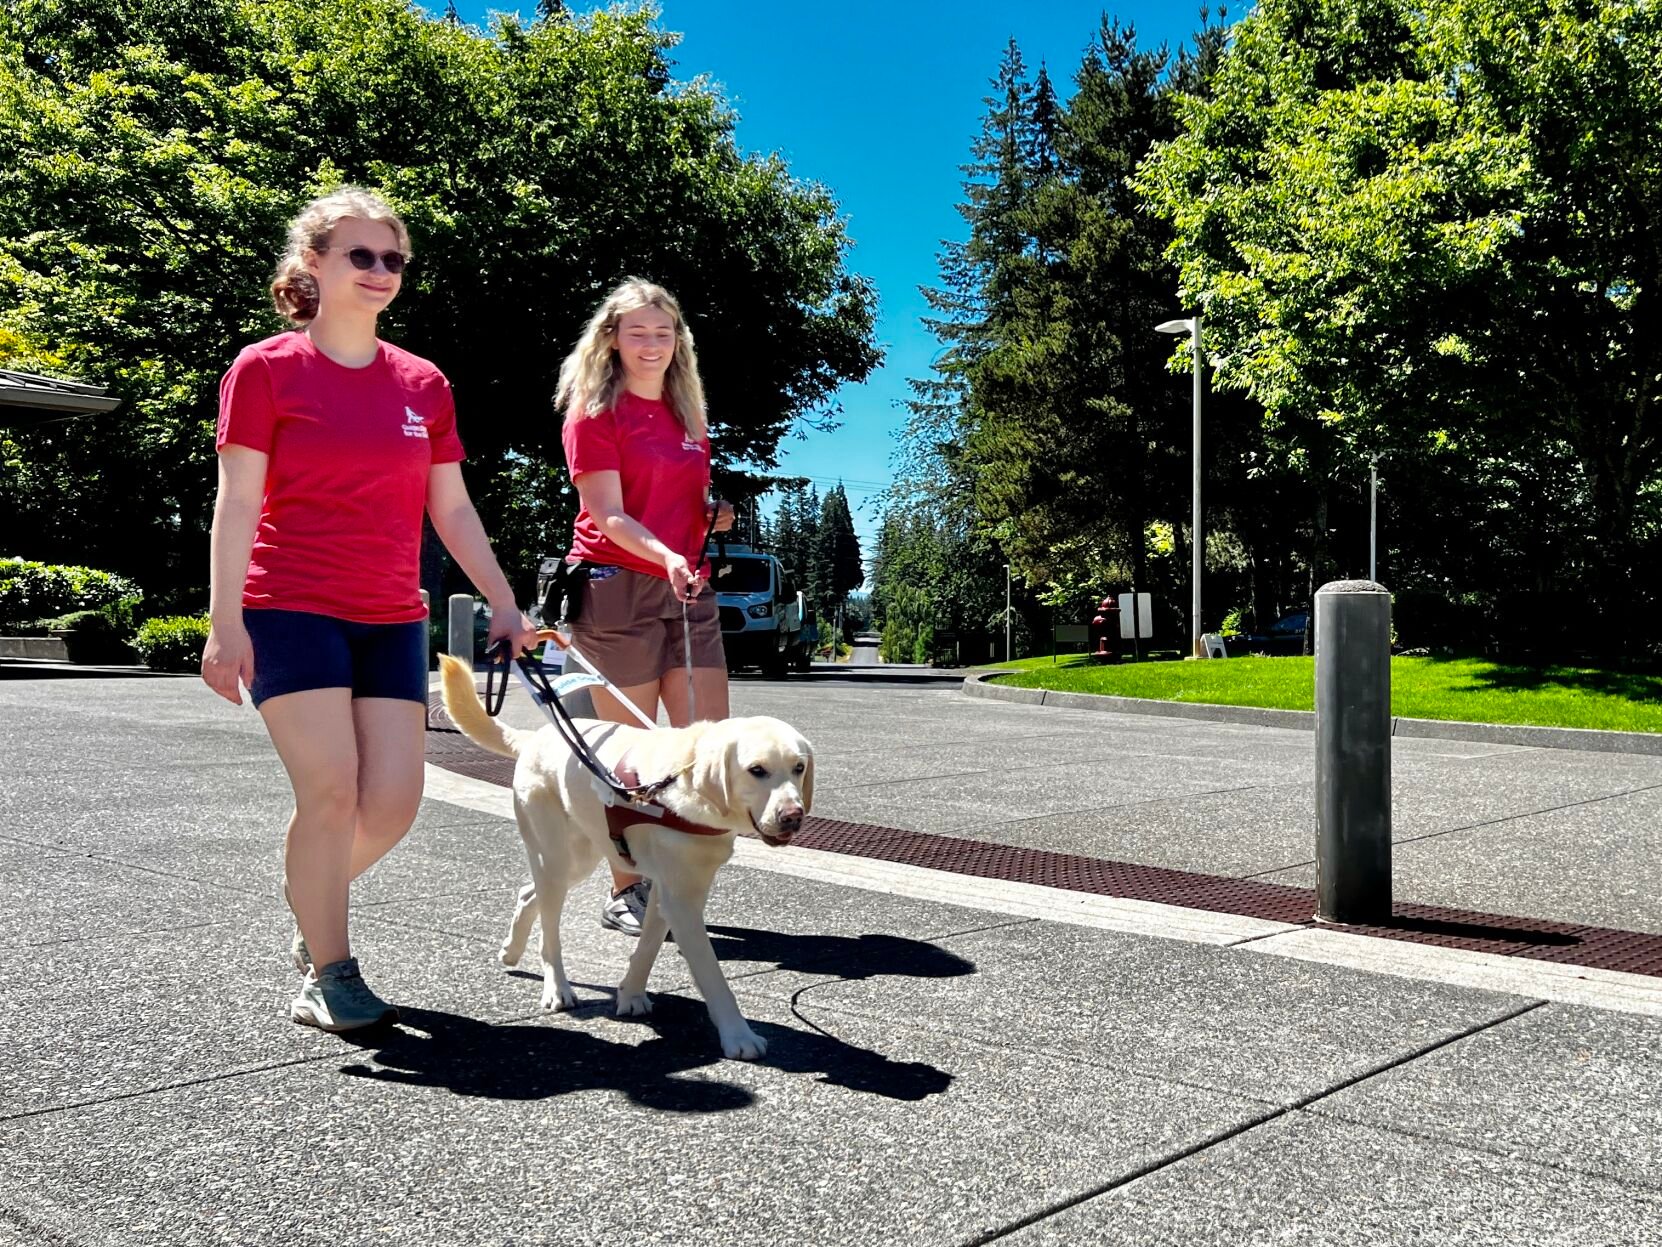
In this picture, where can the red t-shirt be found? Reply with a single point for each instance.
(350, 450)
(665, 476)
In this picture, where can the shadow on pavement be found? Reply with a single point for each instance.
(1480, 931)
(529, 1061)
(10, 670)
(850, 957)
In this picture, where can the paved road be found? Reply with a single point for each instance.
(946, 1066)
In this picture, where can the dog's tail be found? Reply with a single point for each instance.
(462, 704)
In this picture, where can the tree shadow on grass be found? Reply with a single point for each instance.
(1517, 677)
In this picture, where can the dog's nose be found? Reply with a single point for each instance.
(790, 819)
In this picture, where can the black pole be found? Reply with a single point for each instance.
(1353, 752)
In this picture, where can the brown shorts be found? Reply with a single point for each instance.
(629, 628)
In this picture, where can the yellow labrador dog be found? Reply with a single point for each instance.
(754, 774)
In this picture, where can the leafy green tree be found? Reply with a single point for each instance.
(1425, 232)
(152, 150)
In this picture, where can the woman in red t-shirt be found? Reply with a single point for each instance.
(639, 453)
(332, 445)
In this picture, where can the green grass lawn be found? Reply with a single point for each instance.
(1472, 689)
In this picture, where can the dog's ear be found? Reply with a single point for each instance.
(715, 766)
(807, 777)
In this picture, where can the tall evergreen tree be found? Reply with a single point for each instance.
(841, 570)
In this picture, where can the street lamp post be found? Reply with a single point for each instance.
(1373, 519)
(1191, 327)
(1007, 655)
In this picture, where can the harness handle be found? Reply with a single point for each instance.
(535, 675)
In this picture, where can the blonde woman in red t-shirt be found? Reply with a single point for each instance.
(332, 444)
(639, 453)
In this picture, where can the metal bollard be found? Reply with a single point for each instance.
(1353, 752)
(461, 627)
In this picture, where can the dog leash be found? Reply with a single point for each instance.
(627, 800)
(686, 631)
(534, 677)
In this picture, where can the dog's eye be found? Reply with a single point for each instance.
(759, 771)
(798, 769)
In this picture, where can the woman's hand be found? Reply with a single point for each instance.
(509, 622)
(228, 661)
(683, 580)
(724, 516)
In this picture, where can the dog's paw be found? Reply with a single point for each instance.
(633, 1004)
(556, 998)
(743, 1045)
(508, 955)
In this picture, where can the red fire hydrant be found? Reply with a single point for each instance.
(1107, 623)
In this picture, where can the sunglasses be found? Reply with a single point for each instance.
(363, 258)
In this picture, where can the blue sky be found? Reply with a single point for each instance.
(879, 102)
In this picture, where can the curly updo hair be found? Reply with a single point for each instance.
(293, 289)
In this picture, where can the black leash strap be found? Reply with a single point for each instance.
(501, 654)
(703, 546)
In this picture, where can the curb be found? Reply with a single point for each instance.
(1586, 740)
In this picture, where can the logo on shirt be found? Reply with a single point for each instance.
(414, 425)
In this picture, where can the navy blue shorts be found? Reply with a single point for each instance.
(295, 651)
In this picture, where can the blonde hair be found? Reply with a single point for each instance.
(293, 289)
(592, 376)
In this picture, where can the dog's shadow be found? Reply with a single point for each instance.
(850, 959)
(533, 1061)
(847, 956)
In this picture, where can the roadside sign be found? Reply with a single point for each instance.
(1144, 616)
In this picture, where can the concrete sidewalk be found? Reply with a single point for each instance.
(950, 1062)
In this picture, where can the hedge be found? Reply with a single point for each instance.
(93, 636)
(172, 642)
(30, 592)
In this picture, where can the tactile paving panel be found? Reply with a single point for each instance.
(1596, 947)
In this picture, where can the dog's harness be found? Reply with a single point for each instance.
(628, 801)
(619, 817)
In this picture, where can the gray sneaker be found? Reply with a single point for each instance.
(627, 910)
(336, 998)
(299, 954)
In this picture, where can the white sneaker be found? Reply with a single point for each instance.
(336, 998)
(627, 909)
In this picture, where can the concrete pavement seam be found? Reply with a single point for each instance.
(1650, 1188)
(140, 1093)
(83, 937)
(149, 870)
(1234, 1132)
(222, 1076)
(1488, 822)
(1050, 1054)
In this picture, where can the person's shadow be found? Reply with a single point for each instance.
(532, 1061)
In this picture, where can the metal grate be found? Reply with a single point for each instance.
(1601, 948)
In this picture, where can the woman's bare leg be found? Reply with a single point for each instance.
(315, 737)
(391, 772)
